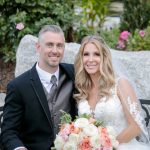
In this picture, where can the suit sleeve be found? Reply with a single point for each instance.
(12, 116)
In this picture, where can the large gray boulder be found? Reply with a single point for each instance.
(26, 54)
(134, 65)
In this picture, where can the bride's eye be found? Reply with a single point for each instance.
(97, 54)
(85, 54)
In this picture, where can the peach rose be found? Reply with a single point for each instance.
(85, 144)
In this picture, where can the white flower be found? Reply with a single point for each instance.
(111, 131)
(74, 138)
(81, 122)
(59, 142)
(95, 141)
(90, 130)
(114, 142)
(81, 136)
(70, 146)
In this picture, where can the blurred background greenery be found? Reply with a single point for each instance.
(77, 18)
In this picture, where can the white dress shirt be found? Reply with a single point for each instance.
(45, 77)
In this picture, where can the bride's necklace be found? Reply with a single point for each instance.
(92, 100)
(92, 103)
(92, 112)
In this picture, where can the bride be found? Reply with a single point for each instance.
(107, 97)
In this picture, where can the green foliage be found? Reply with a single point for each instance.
(87, 116)
(110, 36)
(33, 14)
(94, 12)
(137, 43)
(136, 15)
(82, 31)
(91, 18)
(65, 118)
(134, 42)
(98, 123)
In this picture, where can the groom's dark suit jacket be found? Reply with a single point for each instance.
(27, 119)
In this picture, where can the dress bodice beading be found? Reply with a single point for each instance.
(109, 110)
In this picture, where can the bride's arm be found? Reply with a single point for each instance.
(127, 97)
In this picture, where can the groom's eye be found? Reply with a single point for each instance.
(50, 45)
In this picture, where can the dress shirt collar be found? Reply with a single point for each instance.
(44, 76)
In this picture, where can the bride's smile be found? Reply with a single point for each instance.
(91, 59)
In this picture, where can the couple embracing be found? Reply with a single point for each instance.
(31, 115)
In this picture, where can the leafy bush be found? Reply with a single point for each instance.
(136, 15)
(94, 12)
(126, 40)
(111, 36)
(32, 14)
(140, 40)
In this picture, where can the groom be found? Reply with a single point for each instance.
(33, 102)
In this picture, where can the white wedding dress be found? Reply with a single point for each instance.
(111, 113)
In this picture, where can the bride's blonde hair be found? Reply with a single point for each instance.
(83, 81)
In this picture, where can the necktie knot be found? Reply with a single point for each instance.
(54, 85)
(53, 80)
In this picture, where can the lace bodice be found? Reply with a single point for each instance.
(109, 111)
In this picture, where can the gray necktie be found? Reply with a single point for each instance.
(54, 85)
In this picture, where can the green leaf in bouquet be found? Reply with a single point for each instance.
(53, 148)
(98, 123)
(87, 116)
(65, 118)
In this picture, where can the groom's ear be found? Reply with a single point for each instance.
(38, 47)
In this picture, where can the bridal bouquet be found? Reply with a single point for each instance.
(85, 133)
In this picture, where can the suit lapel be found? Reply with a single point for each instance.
(68, 69)
(38, 89)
